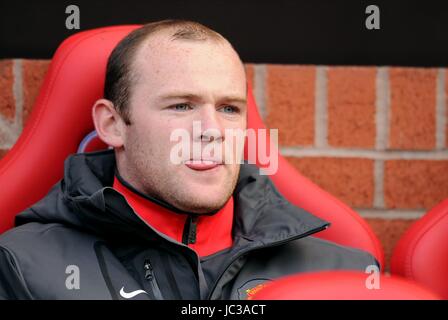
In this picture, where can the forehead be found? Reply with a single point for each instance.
(164, 64)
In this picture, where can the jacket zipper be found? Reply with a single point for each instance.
(190, 230)
(149, 276)
(274, 244)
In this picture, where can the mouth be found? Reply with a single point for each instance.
(202, 164)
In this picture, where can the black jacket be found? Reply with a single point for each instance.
(85, 229)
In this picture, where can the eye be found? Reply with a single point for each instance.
(230, 109)
(181, 107)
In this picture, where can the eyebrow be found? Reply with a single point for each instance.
(194, 97)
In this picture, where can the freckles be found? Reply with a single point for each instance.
(169, 127)
(174, 124)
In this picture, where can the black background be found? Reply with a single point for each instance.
(330, 32)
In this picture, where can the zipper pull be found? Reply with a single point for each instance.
(193, 230)
(150, 276)
(148, 270)
(190, 230)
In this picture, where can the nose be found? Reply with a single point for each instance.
(211, 124)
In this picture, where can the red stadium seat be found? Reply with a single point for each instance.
(422, 252)
(342, 285)
(61, 118)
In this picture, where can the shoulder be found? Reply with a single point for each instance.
(35, 259)
(318, 254)
(34, 236)
(46, 244)
(334, 256)
(307, 254)
(19, 247)
(314, 254)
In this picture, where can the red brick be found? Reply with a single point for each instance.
(351, 107)
(250, 72)
(349, 179)
(415, 183)
(413, 103)
(290, 103)
(389, 231)
(33, 76)
(7, 104)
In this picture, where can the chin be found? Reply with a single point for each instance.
(204, 203)
(207, 189)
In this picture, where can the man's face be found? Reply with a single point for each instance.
(179, 83)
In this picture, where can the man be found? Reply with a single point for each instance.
(131, 223)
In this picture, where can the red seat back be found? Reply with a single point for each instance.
(342, 285)
(421, 253)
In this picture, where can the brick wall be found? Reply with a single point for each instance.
(375, 137)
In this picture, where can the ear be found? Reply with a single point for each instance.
(108, 123)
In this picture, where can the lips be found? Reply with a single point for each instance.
(201, 165)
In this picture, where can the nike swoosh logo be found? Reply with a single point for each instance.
(129, 295)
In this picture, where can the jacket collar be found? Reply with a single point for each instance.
(205, 234)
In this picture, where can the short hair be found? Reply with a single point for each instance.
(119, 74)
